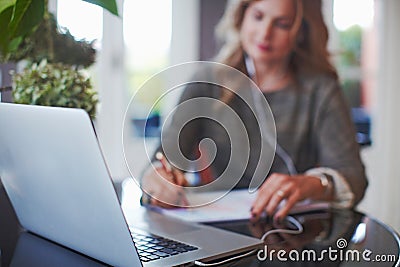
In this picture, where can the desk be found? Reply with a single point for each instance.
(321, 230)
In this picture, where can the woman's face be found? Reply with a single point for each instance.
(265, 33)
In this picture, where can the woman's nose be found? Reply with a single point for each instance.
(266, 30)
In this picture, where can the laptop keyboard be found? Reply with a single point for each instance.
(152, 247)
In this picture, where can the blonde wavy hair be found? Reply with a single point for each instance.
(309, 55)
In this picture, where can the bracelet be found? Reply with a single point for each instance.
(145, 199)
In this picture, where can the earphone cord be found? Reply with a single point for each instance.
(286, 159)
(291, 219)
(263, 123)
(279, 150)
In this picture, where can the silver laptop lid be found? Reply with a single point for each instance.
(56, 178)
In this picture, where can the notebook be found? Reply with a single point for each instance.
(234, 205)
(54, 173)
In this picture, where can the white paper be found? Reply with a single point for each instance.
(233, 206)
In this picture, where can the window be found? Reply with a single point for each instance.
(147, 37)
(92, 29)
(355, 58)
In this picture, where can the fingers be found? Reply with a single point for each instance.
(164, 191)
(280, 190)
(267, 195)
(277, 197)
(179, 177)
(162, 174)
(169, 197)
(303, 187)
(259, 204)
(290, 202)
(173, 175)
(169, 201)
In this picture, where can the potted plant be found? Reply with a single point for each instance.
(55, 71)
(19, 19)
(54, 84)
(54, 74)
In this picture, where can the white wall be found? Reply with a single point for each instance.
(382, 159)
(185, 31)
(382, 200)
(113, 93)
(184, 47)
(185, 43)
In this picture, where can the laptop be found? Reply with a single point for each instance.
(54, 173)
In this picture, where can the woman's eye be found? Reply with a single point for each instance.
(258, 16)
(283, 25)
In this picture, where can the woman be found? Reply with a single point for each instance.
(281, 45)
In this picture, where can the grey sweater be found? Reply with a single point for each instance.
(313, 126)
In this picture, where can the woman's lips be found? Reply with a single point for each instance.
(264, 47)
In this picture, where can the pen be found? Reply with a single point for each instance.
(167, 167)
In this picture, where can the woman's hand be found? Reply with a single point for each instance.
(280, 187)
(165, 188)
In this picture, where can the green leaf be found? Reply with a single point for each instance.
(40, 84)
(27, 14)
(14, 43)
(4, 4)
(5, 18)
(20, 8)
(17, 21)
(110, 5)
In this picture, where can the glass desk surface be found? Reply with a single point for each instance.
(350, 233)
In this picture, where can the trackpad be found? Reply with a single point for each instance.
(160, 223)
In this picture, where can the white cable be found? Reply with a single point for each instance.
(295, 222)
(291, 219)
(279, 150)
(286, 159)
(263, 123)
